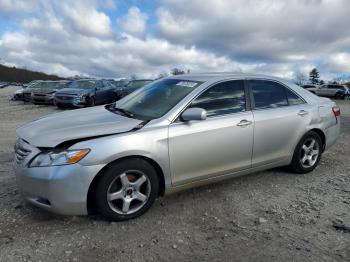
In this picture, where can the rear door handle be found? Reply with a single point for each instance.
(303, 113)
(244, 123)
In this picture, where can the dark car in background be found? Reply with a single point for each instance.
(132, 86)
(84, 93)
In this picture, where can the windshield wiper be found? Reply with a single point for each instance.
(121, 110)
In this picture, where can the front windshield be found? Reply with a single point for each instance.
(82, 84)
(49, 85)
(120, 83)
(157, 98)
(137, 84)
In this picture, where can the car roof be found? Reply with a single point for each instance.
(222, 75)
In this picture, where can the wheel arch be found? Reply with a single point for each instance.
(91, 205)
(322, 136)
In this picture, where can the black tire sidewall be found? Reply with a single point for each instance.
(296, 165)
(91, 101)
(338, 96)
(109, 175)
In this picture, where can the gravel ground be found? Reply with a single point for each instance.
(267, 216)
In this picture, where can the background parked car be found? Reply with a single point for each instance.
(311, 88)
(83, 93)
(3, 84)
(44, 92)
(18, 95)
(132, 86)
(27, 92)
(332, 91)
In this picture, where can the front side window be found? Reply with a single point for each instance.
(223, 98)
(268, 94)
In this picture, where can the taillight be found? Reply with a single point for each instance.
(336, 111)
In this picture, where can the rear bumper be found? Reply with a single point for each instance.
(61, 189)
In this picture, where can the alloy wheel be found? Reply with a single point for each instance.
(310, 152)
(128, 192)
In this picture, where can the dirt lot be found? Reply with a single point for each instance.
(267, 216)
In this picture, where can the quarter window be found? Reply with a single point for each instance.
(293, 99)
(268, 94)
(223, 98)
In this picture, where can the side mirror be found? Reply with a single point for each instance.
(194, 114)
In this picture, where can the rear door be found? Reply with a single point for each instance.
(280, 116)
(218, 145)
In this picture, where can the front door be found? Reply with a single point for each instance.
(220, 144)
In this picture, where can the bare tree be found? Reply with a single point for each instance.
(133, 77)
(162, 75)
(176, 71)
(300, 79)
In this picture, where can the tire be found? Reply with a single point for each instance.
(339, 96)
(134, 183)
(347, 98)
(59, 106)
(305, 158)
(91, 102)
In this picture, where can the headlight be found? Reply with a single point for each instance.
(59, 158)
(80, 97)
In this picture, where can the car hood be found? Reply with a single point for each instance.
(44, 91)
(72, 91)
(54, 129)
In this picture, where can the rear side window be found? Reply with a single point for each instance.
(268, 94)
(293, 99)
(223, 98)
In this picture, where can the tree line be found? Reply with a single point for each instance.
(19, 75)
(315, 79)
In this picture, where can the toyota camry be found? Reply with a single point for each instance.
(172, 134)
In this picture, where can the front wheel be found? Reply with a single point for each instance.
(91, 102)
(339, 96)
(127, 189)
(307, 153)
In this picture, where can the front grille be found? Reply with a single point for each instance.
(27, 96)
(20, 152)
(39, 95)
(64, 98)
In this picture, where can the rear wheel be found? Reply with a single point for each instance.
(307, 154)
(127, 189)
(91, 102)
(338, 96)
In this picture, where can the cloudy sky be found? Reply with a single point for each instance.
(115, 38)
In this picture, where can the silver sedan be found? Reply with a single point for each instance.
(172, 134)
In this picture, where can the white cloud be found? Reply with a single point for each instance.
(86, 19)
(278, 37)
(134, 22)
(11, 6)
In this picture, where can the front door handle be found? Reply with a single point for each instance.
(303, 113)
(244, 123)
